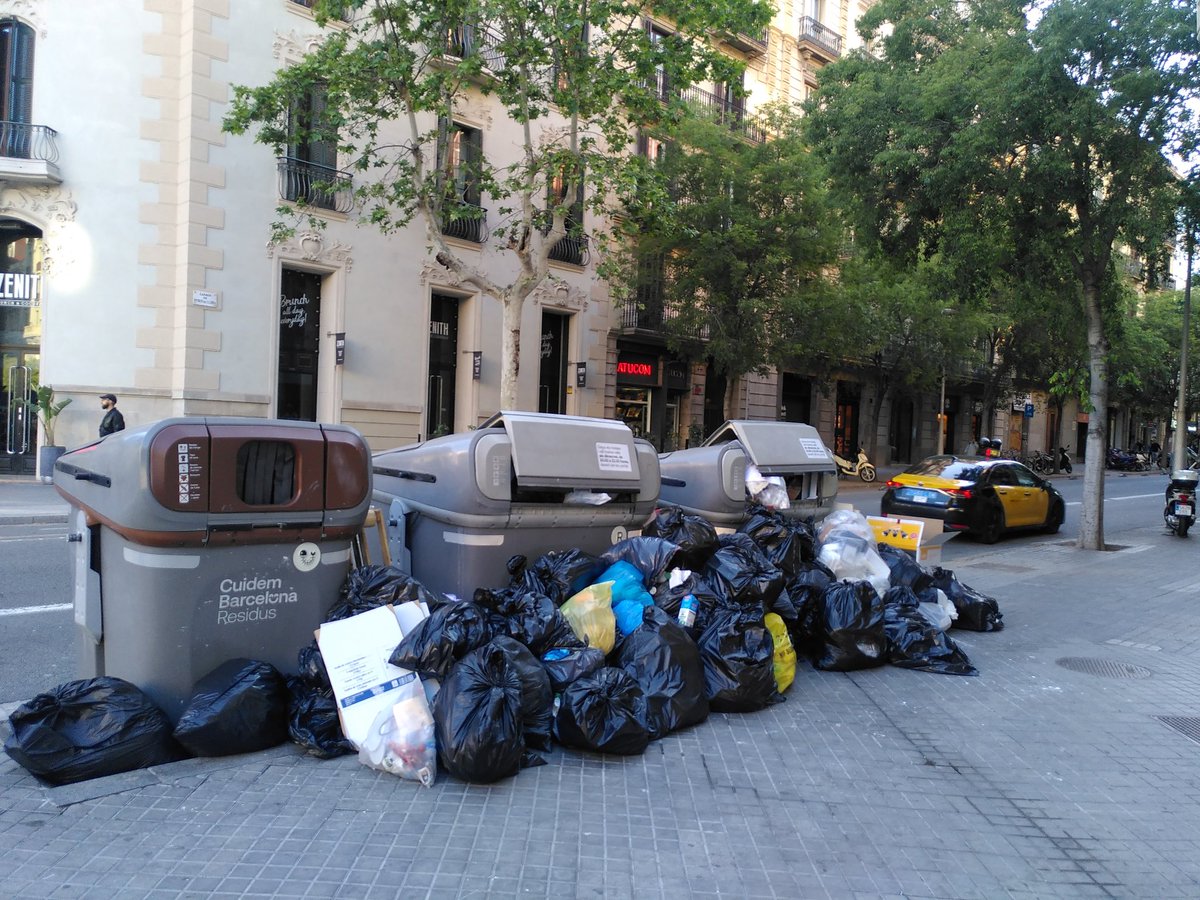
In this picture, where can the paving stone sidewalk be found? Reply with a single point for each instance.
(1069, 768)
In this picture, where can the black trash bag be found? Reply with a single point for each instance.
(560, 575)
(563, 670)
(906, 571)
(370, 586)
(529, 617)
(311, 666)
(666, 664)
(477, 718)
(90, 728)
(604, 712)
(741, 575)
(788, 543)
(976, 611)
(537, 699)
(738, 653)
(438, 642)
(914, 643)
(853, 633)
(806, 589)
(694, 535)
(313, 720)
(654, 557)
(241, 706)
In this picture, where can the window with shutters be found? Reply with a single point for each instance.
(16, 89)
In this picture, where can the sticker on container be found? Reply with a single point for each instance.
(618, 534)
(813, 447)
(307, 557)
(613, 457)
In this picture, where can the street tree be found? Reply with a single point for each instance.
(741, 262)
(1067, 123)
(387, 78)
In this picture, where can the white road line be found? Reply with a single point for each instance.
(1130, 497)
(26, 610)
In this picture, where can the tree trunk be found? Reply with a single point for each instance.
(1091, 516)
(510, 350)
(873, 438)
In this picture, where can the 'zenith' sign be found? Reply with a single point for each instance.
(17, 289)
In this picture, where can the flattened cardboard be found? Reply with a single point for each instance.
(356, 652)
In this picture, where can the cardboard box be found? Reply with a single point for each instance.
(923, 538)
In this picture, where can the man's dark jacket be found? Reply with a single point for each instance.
(112, 421)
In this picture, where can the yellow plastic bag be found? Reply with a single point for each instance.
(785, 653)
(591, 616)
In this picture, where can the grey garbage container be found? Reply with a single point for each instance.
(198, 540)
(459, 507)
(710, 480)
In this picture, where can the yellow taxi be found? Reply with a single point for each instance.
(981, 496)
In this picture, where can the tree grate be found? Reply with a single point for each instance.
(1106, 668)
(1188, 726)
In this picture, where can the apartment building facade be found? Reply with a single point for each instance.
(139, 260)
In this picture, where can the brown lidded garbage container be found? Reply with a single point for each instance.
(198, 540)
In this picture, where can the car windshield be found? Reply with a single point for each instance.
(947, 467)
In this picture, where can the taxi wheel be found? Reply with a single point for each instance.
(993, 525)
(1055, 519)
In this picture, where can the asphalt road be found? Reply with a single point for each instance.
(38, 634)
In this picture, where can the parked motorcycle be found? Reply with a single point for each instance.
(1064, 460)
(1180, 511)
(861, 467)
(1127, 461)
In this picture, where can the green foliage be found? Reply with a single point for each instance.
(736, 247)
(47, 409)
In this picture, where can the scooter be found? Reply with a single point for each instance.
(861, 467)
(1180, 511)
(1064, 460)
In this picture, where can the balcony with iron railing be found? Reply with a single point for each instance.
(572, 249)
(313, 184)
(28, 154)
(465, 220)
(650, 313)
(727, 110)
(817, 39)
(466, 41)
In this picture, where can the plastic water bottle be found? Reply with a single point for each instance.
(687, 610)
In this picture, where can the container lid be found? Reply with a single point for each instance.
(570, 451)
(777, 448)
(1185, 475)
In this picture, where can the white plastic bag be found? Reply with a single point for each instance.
(940, 615)
(846, 544)
(401, 740)
(767, 490)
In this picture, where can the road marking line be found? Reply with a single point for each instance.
(26, 610)
(1130, 497)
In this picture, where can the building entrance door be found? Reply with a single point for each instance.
(299, 344)
(18, 423)
(443, 365)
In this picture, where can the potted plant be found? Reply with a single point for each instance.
(47, 409)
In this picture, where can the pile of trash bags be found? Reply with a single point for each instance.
(599, 654)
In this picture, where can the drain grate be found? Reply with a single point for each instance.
(1188, 726)
(1106, 668)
